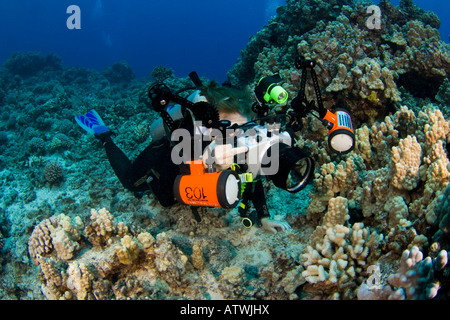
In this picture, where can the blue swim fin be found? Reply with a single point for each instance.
(91, 122)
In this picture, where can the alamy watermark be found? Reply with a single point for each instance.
(374, 281)
(74, 20)
(257, 147)
(374, 21)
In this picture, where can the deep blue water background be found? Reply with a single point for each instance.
(202, 35)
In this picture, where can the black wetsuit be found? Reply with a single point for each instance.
(254, 192)
(154, 170)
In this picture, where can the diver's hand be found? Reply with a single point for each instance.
(223, 155)
(272, 226)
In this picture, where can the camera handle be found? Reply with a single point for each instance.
(261, 109)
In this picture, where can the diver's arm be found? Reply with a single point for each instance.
(267, 223)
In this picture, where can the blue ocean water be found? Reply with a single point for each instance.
(202, 35)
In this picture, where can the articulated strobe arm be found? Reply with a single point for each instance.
(339, 123)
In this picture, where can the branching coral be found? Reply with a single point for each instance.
(414, 279)
(60, 142)
(442, 212)
(406, 159)
(403, 191)
(101, 228)
(89, 275)
(161, 73)
(53, 172)
(168, 258)
(58, 236)
(338, 179)
(338, 254)
(119, 72)
(79, 280)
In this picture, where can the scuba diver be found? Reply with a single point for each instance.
(217, 178)
(153, 169)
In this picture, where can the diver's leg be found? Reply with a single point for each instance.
(154, 168)
(121, 165)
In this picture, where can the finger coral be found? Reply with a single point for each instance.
(339, 253)
(414, 279)
(406, 160)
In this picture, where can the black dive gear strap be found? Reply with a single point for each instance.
(196, 79)
(254, 192)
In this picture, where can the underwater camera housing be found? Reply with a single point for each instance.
(271, 154)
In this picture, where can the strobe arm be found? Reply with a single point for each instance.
(341, 136)
(301, 106)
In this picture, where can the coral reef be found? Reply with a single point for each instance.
(374, 68)
(161, 73)
(28, 64)
(337, 254)
(373, 224)
(442, 219)
(53, 172)
(414, 279)
(56, 235)
(119, 72)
